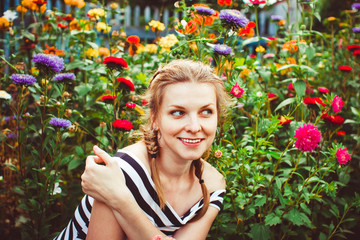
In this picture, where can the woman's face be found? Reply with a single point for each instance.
(187, 120)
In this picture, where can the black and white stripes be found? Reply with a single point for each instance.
(139, 182)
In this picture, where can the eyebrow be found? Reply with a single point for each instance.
(181, 107)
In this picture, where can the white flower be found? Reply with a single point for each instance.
(57, 189)
(259, 94)
(10, 15)
(4, 95)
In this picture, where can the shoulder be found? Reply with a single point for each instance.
(214, 180)
(138, 150)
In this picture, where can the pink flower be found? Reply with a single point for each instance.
(308, 137)
(131, 105)
(291, 87)
(342, 155)
(323, 89)
(218, 153)
(337, 104)
(122, 124)
(237, 91)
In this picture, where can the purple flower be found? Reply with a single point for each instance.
(233, 19)
(222, 49)
(276, 18)
(204, 11)
(48, 63)
(59, 122)
(62, 77)
(23, 79)
(356, 29)
(356, 6)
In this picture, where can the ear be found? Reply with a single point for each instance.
(153, 120)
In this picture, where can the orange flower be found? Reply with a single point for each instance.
(190, 27)
(224, 2)
(133, 39)
(283, 120)
(62, 26)
(53, 51)
(74, 25)
(4, 24)
(103, 51)
(290, 46)
(248, 31)
(21, 9)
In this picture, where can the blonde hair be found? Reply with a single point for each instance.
(179, 71)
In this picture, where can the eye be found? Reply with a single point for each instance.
(177, 113)
(207, 112)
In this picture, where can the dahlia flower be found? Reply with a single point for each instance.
(308, 137)
(342, 155)
(337, 104)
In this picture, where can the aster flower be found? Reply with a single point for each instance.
(233, 19)
(342, 155)
(48, 64)
(115, 63)
(127, 83)
(23, 79)
(237, 91)
(222, 49)
(122, 124)
(337, 104)
(63, 77)
(308, 137)
(206, 11)
(60, 122)
(356, 30)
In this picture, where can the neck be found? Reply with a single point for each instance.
(174, 170)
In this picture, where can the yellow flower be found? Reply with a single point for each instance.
(29, 4)
(114, 5)
(150, 48)
(168, 41)
(102, 27)
(21, 9)
(343, 24)
(260, 49)
(96, 13)
(92, 53)
(245, 73)
(331, 19)
(104, 52)
(75, 3)
(4, 24)
(156, 25)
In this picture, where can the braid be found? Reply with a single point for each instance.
(152, 145)
(199, 168)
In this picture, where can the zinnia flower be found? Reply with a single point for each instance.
(339, 120)
(116, 63)
(283, 120)
(258, 2)
(224, 2)
(23, 79)
(103, 51)
(308, 137)
(342, 155)
(345, 68)
(237, 91)
(356, 53)
(337, 104)
(62, 77)
(156, 25)
(233, 19)
(60, 122)
(53, 50)
(4, 24)
(313, 101)
(127, 83)
(133, 39)
(122, 124)
(222, 49)
(48, 64)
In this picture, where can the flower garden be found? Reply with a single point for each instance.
(289, 148)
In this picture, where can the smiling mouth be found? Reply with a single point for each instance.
(187, 140)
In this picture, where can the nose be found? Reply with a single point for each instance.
(193, 125)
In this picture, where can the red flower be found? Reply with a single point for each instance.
(340, 133)
(323, 90)
(284, 120)
(108, 98)
(308, 137)
(342, 155)
(224, 2)
(353, 47)
(133, 39)
(115, 63)
(291, 87)
(144, 102)
(131, 105)
(237, 91)
(122, 124)
(356, 52)
(313, 101)
(39, 2)
(127, 82)
(62, 26)
(257, 2)
(68, 18)
(345, 68)
(253, 55)
(272, 96)
(337, 119)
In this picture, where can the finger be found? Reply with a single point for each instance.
(98, 160)
(90, 160)
(102, 154)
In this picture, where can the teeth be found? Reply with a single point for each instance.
(190, 140)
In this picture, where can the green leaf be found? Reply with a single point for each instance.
(260, 201)
(74, 164)
(310, 52)
(92, 45)
(272, 219)
(75, 64)
(12, 167)
(297, 218)
(260, 231)
(300, 87)
(79, 151)
(83, 89)
(239, 62)
(286, 102)
(28, 35)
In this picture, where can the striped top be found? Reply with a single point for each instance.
(139, 182)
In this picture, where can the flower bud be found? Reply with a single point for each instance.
(102, 124)
(68, 112)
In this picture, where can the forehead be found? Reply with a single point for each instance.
(189, 94)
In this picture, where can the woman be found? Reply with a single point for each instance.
(163, 187)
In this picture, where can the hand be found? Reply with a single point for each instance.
(104, 183)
